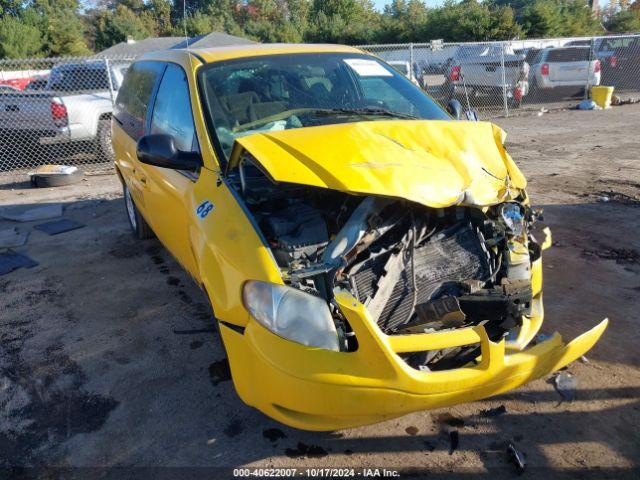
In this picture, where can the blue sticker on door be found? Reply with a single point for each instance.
(204, 209)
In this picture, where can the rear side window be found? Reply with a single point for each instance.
(134, 96)
(577, 54)
(172, 110)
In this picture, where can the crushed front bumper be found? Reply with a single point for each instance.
(316, 389)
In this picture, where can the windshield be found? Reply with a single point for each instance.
(280, 92)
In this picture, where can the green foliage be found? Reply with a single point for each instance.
(549, 18)
(470, 20)
(61, 27)
(626, 20)
(18, 39)
(116, 25)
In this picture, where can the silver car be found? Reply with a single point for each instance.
(563, 67)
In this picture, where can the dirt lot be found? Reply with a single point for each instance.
(108, 357)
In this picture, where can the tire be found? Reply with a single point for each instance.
(138, 224)
(45, 181)
(534, 90)
(103, 146)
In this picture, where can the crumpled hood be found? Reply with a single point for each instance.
(434, 163)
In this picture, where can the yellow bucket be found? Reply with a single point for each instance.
(602, 96)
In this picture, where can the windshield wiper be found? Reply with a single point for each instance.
(365, 111)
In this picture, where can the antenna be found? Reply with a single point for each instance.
(184, 27)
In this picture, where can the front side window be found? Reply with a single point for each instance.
(172, 110)
(279, 92)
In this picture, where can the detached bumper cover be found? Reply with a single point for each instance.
(316, 389)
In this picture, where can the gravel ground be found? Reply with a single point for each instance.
(108, 356)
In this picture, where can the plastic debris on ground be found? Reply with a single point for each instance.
(566, 385)
(517, 458)
(588, 105)
(10, 261)
(27, 213)
(13, 237)
(59, 226)
(493, 412)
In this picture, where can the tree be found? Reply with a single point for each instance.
(18, 39)
(503, 24)
(403, 21)
(11, 8)
(62, 30)
(158, 14)
(625, 21)
(579, 19)
(542, 18)
(342, 21)
(115, 26)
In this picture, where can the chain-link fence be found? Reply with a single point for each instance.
(58, 111)
(503, 78)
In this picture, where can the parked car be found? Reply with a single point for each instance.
(360, 248)
(621, 69)
(477, 69)
(17, 83)
(405, 68)
(10, 89)
(75, 106)
(38, 83)
(564, 67)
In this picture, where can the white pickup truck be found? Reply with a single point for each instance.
(75, 106)
(487, 69)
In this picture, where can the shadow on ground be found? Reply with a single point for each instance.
(110, 358)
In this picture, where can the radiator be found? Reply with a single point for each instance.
(449, 257)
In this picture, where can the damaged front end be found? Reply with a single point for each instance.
(415, 269)
(389, 305)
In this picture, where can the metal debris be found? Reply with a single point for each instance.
(517, 458)
(566, 385)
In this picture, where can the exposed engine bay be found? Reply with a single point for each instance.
(416, 269)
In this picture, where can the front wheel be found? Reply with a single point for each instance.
(138, 224)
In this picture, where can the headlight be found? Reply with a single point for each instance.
(291, 314)
(513, 218)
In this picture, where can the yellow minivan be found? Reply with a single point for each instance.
(366, 255)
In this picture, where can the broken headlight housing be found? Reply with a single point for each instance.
(513, 218)
(291, 314)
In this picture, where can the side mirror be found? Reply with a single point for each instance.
(160, 150)
(454, 107)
